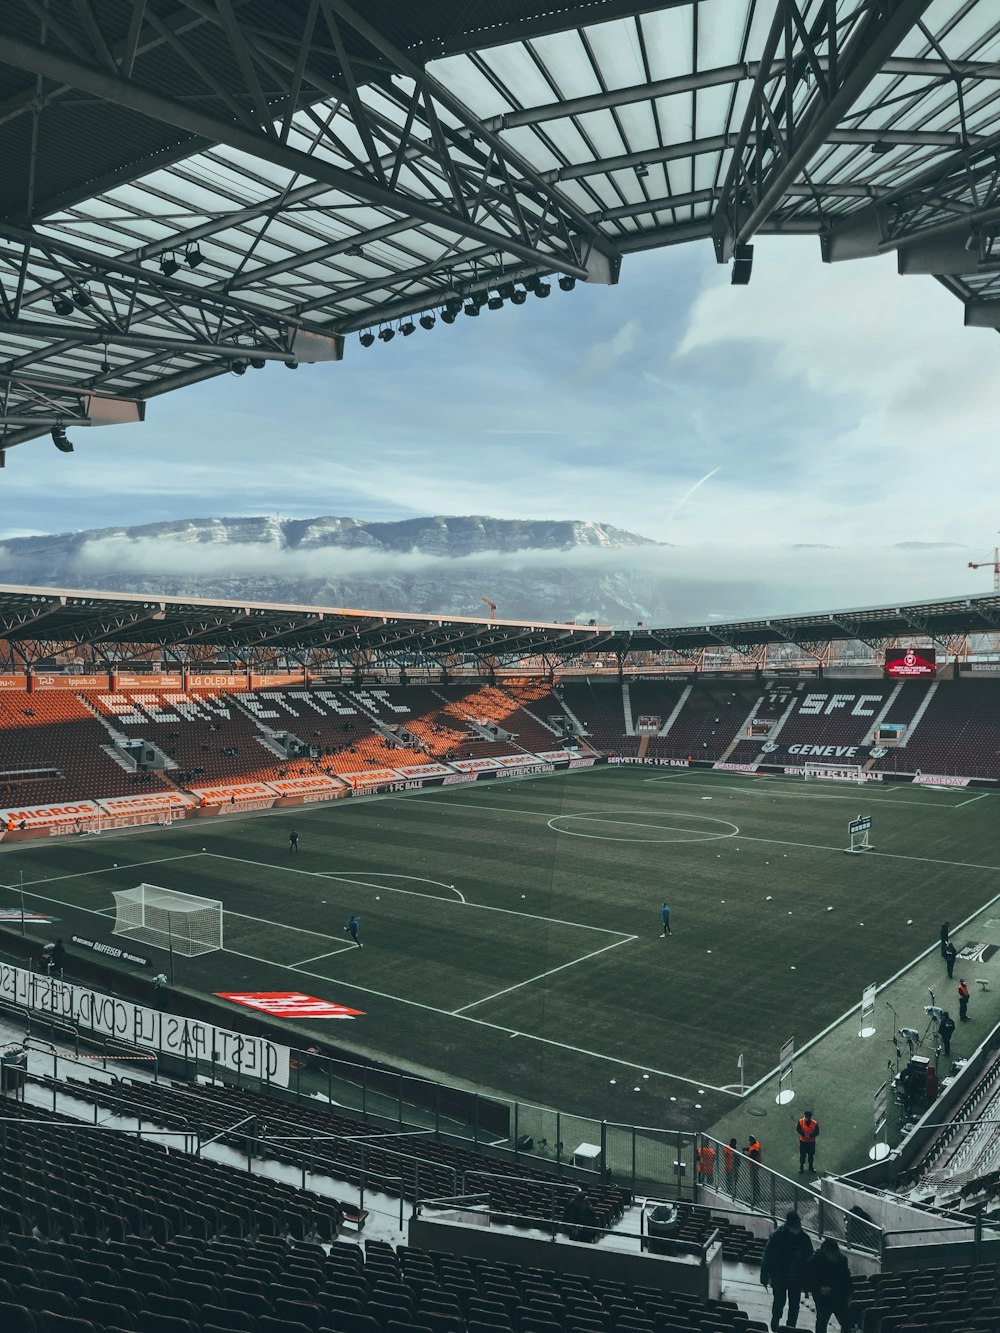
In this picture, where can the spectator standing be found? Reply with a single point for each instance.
(945, 936)
(56, 959)
(808, 1130)
(706, 1163)
(829, 1280)
(946, 1028)
(731, 1166)
(963, 1001)
(784, 1268)
(950, 954)
(754, 1153)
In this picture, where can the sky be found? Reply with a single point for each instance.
(822, 406)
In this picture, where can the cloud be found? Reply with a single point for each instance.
(604, 356)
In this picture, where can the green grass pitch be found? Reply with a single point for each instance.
(511, 928)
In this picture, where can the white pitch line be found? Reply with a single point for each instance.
(774, 794)
(542, 975)
(388, 874)
(981, 797)
(102, 870)
(495, 1027)
(825, 847)
(389, 888)
(316, 957)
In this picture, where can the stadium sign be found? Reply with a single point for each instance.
(920, 663)
(939, 780)
(833, 774)
(825, 751)
(736, 768)
(186, 1038)
(109, 950)
(653, 763)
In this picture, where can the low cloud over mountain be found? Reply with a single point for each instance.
(558, 570)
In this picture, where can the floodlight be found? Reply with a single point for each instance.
(60, 441)
(82, 298)
(407, 327)
(168, 266)
(257, 362)
(518, 296)
(742, 265)
(495, 303)
(367, 338)
(542, 289)
(567, 283)
(193, 257)
(427, 321)
(62, 305)
(641, 170)
(291, 365)
(448, 316)
(472, 308)
(238, 367)
(506, 290)
(387, 335)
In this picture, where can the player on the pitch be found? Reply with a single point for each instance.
(352, 930)
(665, 920)
(293, 841)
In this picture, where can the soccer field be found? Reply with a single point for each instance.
(511, 929)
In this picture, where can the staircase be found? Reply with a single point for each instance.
(643, 746)
(685, 694)
(925, 704)
(741, 734)
(882, 715)
(627, 707)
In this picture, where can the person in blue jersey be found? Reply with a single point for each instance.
(665, 921)
(352, 930)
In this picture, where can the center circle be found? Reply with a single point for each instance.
(627, 819)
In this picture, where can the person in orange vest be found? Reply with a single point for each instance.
(10, 826)
(808, 1134)
(753, 1152)
(963, 1001)
(706, 1163)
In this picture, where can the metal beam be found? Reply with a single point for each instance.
(49, 64)
(312, 349)
(752, 190)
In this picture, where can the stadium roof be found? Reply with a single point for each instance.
(49, 619)
(191, 186)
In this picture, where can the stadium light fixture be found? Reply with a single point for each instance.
(367, 338)
(518, 296)
(82, 298)
(506, 290)
(567, 282)
(472, 308)
(60, 441)
(387, 334)
(542, 290)
(407, 327)
(62, 305)
(448, 316)
(291, 365)
(238, 367)
(193, 257)
(168, 266)
(495, 303)
(531, 282)
(641, 170)
(257, 362)
(427, 321)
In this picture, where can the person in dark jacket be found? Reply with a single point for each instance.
(950, 954)
(783, 1267)
(829, 1284)
(945, 936)
(945, 1029)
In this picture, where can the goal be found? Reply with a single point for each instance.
(168, 919)
(834, 772)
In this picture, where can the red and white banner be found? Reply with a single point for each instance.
(237, 793)
(149, 801)
(475, 765)
(53, 682)
(518, 760)
(126, 680)
(312, 786)
(36, 816)
(216, 682)
(423, 770)
(370, 777)
(289, 1004)
(583, 761)
(936, 780)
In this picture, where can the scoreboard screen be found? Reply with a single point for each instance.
(911, 663)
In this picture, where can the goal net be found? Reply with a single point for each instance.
(834, 772)
(167, 919)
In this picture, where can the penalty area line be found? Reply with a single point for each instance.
(494, 1027)
(542, 975)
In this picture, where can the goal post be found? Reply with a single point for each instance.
(833, 772)
(168, 919)
(858, 831)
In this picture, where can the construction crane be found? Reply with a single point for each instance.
(993, 564)
(492, 606)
